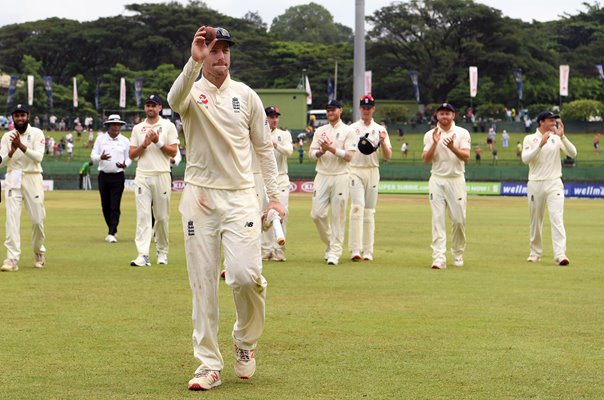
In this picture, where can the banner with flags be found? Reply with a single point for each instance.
(330, 95)
(564, 72)
(600, 73)
(368, 82)
(48, 87)
(138, 90)
(75, 93)
(518, 78)
(12, 88)
(415, 82)
(30, 89)
(473, 81)
(123, 92)
(97, 94)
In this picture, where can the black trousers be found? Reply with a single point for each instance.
(111, 187)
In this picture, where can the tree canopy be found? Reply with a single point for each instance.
(438, 38)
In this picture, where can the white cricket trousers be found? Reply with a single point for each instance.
(540, 193)
(363, 201)
(268, 236)
(31, 194)
(330, 191)
(231, 218)
(448, 194)
(262, 199)
(152, 192)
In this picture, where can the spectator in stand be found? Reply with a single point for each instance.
(505, 139)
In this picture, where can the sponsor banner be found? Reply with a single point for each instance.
(411, 187)
(580, 190)
(47, 184)
(178, 186)
(564, 72)
(301, 186)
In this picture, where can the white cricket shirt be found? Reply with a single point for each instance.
(153, 161)
(444, 162)
(343, 137)
(544, 162)
(361, 160)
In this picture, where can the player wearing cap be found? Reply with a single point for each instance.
(110, 153)
(153, 142)
(223, 121)
(365, 179)
(282, 143)
(447, 147)
(541, 151)
(21, 151)
(333, 146)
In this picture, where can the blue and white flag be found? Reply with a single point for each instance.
(600, 73)
(415, 82)
(518, 78)
(138, 90)
(12, 88)
(48, 87)
(330, 95)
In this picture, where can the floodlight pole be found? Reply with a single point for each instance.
(359, 57)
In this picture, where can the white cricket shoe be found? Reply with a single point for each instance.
(562, 261)
(368, 256)
(245, 362)
(111, 239)
(458, 262)
(9, 265)
(331, 260)
(267, 255)
(205, 379)
(162, 258)
(40, 260)
(439, 265)
(533, 258)
(355, 255)
(278, 255)
(141, 261)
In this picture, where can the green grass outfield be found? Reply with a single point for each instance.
(91, 327)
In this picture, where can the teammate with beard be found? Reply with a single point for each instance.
(22, 150)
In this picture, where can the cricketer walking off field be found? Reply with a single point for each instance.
(541, 151)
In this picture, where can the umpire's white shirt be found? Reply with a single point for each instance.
(361, 160)
(544, 162)
(444, 162)
(116, 147)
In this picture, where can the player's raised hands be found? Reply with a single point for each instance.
(199, 48)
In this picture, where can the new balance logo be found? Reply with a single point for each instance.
(248, 224)
(190, 229)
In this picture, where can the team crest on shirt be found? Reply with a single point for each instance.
(236, 105)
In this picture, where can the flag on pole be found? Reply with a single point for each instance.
(308, 92)
(368, 83)
(48, 87)
(564, 72)
(138, 90)
(518, 78)
(330, 96)
(97, 94)
(600, 73)
(473, 81)
(122, 92)
(30, 89)
(12, 87)
(415, 82)
(75, 92)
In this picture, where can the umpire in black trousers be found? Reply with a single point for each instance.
(110, 151)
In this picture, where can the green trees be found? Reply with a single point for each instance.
(438, 38)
